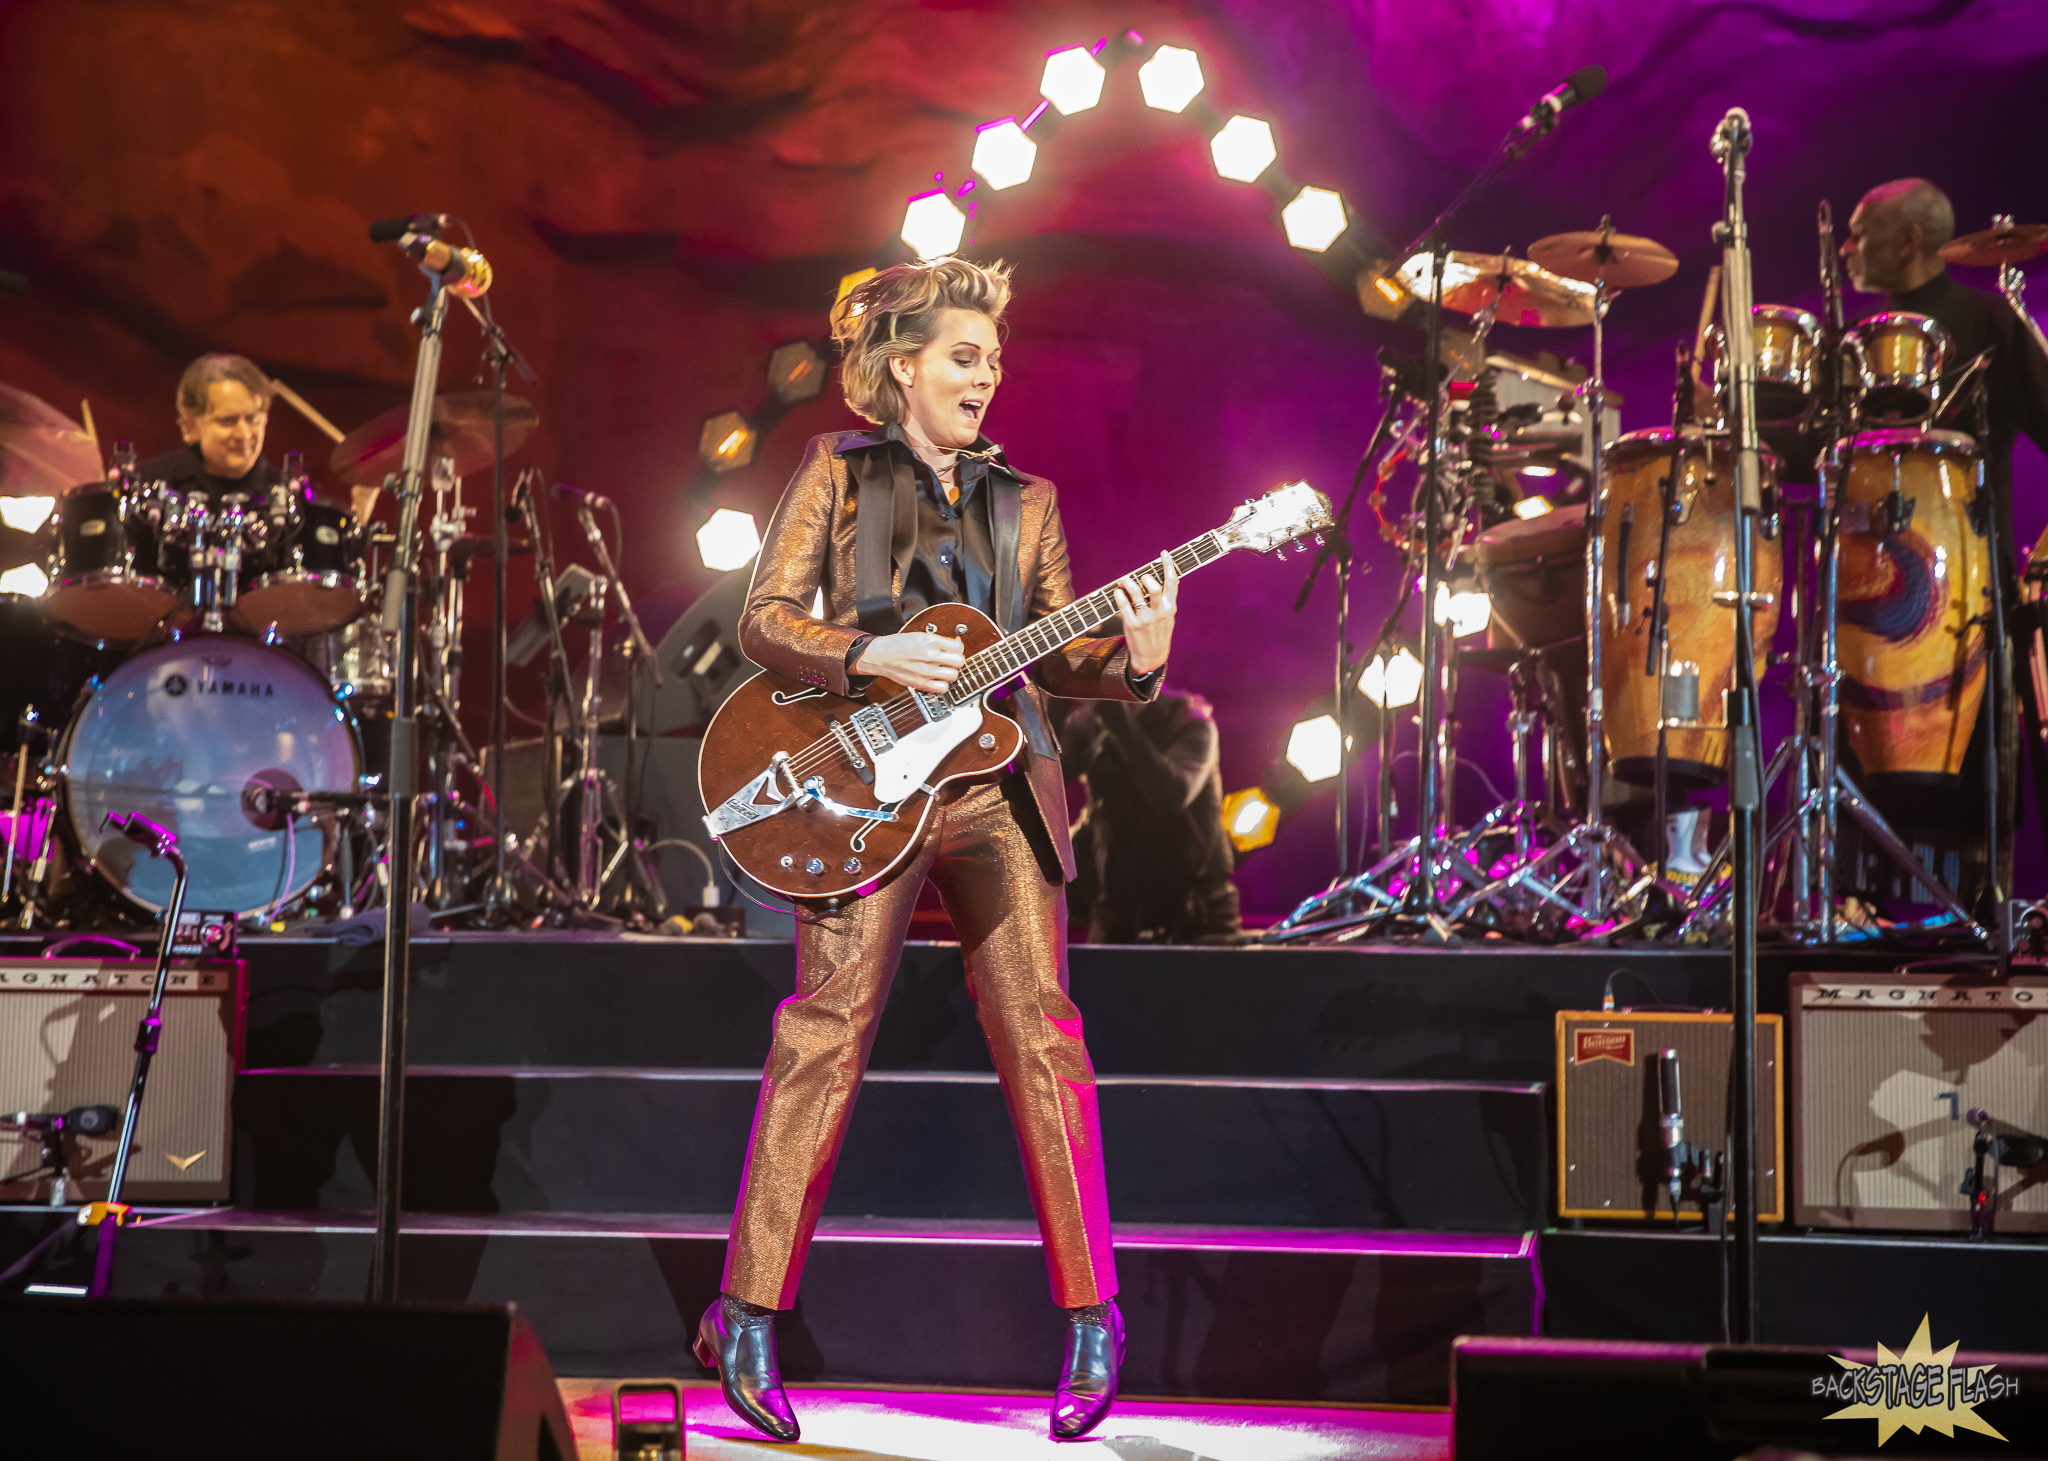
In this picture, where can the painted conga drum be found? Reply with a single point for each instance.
(1912, 575)
(1700, 563)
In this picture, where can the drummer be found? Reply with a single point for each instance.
(1895, 237)
(223, 411)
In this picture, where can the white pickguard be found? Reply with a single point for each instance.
(908, 764)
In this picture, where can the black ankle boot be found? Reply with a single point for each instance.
(1095, 1348)
(740, 1345)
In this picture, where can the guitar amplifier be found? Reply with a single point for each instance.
(1887, 1069)
(1610, 1148)
(67, 1039)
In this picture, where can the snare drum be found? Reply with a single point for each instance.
(108, 578)
(1895, 361)
(1911, 581)
(309, 576)
(1699, 563)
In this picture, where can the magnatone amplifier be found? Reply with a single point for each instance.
(67, 1040)
(1610, 1134)
(1887, 1070)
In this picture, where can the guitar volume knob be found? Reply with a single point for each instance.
(852, 865)
(987, 741)
(815, 866)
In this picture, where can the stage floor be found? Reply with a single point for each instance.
(946, 1425)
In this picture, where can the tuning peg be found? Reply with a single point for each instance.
(1319, 540)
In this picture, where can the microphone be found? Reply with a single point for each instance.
(1581, 86)
(465, 271)
(1671, 1117)
(391, 230)
(568, 493)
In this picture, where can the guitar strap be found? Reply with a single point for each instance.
(884, 532)
(1006, 519)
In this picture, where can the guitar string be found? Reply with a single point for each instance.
(1096, 609)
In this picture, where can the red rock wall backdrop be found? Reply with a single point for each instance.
(667, 190)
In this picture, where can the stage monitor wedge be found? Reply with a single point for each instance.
(143, 1377)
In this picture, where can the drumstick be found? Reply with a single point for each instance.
(85, 415)
(1707, 304)
(305, 408)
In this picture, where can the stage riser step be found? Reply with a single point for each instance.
(1827, 1289)
(1253, 1325)
(556, 1001)
(1449, 1157)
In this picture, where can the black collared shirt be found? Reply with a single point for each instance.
(2016, 380)
(954, 561)
(184, 470)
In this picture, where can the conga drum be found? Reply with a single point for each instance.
(1912, 574)
(1895, 363)
(1700, 563)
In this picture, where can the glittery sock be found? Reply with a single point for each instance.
(1097, 1314)
(739, 1311)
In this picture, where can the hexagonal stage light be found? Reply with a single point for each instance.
(728, 540)
(1314, 748)
(1250, 819)
(1394, 684)
(26, 514)
(1072, 81)
(727, 442)
(1003, 155)
(1314, 219)
(933, 226)
(1243, 149)
(1171, 79)
(25, 579)
(796, 372)
(1466, 612)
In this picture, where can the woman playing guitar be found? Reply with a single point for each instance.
(888, 524)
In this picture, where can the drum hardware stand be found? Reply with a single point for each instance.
(1419, 901)
(401, 620)
(499, 902)
(2013, 285)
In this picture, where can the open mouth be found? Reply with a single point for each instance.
(971, 409)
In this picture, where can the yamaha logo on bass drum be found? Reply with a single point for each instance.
(178, 685)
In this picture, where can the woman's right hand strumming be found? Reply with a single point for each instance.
(927, 662)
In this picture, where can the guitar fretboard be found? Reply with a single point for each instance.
(1003, 660)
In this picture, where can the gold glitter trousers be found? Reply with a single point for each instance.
(1012, 925)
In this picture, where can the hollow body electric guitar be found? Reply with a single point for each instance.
(816, 795)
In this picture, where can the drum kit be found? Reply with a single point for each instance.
(1613, 615)
(217, 663)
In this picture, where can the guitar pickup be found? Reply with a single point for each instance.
(871, 724)
(860, 766)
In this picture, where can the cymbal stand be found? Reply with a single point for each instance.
(2013, 285)
(638, 652)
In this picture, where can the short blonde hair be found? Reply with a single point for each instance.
(196, 385)
(894, 314)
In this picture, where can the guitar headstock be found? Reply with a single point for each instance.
(1277, 519)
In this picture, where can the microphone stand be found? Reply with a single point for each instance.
(498, 352)
(1730, 145)
(1337, 547)
(160, 843)
(401, 620)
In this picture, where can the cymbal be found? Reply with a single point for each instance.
(1532, 295)
(1624, 260)
(462, 429)
(2015, 243)
(43, 452)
